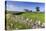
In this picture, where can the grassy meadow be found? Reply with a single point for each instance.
(21, 23)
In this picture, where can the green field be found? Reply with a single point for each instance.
(39, 16)
(12, 24)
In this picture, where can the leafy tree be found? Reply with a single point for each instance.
(30, 10)
(37, 9)
(26, 10)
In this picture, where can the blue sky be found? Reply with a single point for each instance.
(20, 6)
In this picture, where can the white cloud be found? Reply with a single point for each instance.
(11, 7)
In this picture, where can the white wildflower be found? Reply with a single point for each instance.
(31, 20)
(16, 16)
(11, 24)
(27, 19)
(43, 24)
(39, 22)
(16, 28)
(36, 22)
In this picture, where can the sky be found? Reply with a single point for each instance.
(20, 6)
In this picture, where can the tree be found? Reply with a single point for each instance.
(30, 10)
(26, 10)
(37, 9)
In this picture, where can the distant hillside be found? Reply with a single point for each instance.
(18, 12)
(14, 12)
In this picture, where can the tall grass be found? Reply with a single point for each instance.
(13, 22)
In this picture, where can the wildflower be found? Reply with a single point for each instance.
(39, 22)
